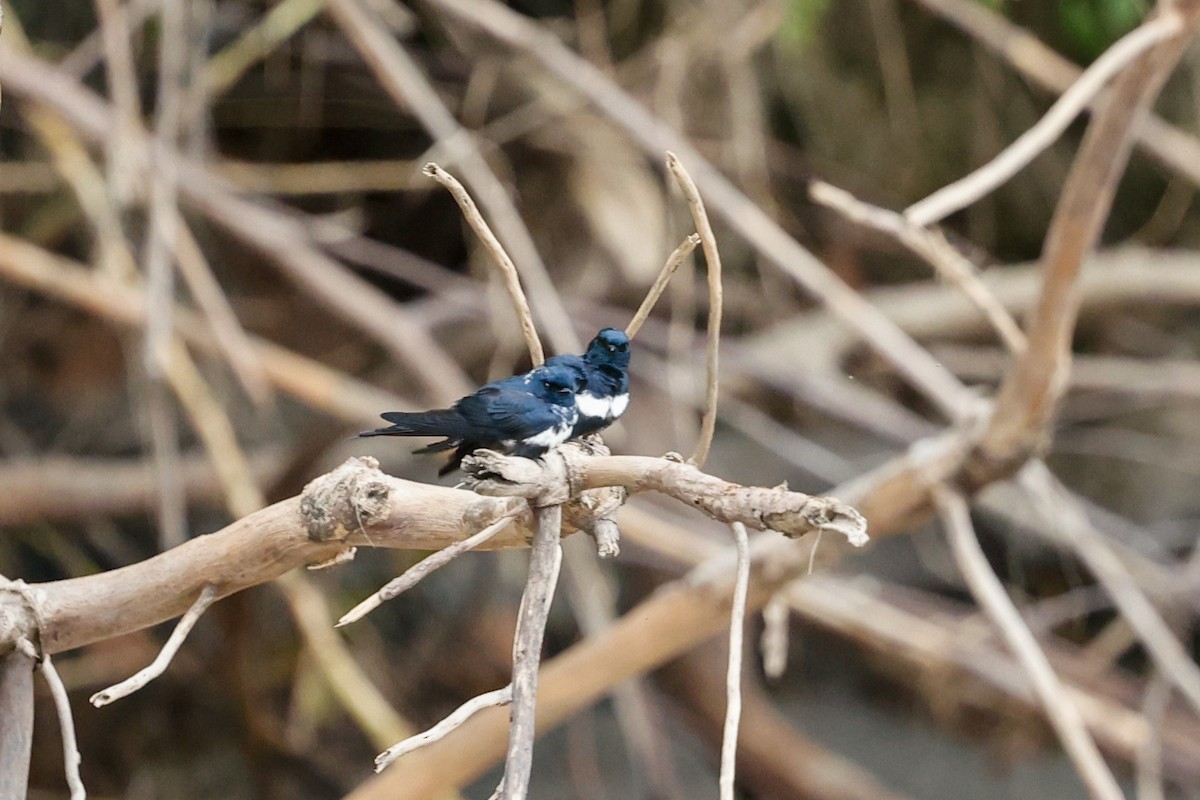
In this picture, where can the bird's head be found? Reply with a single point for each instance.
(610, 348)
(556, 384)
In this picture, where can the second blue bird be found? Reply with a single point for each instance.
(603, 372)
(525, 415)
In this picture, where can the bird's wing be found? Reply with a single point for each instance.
(505, 412)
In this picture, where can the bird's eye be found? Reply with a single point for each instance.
(611, 348)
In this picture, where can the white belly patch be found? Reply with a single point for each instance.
(551, 437)
(601, 407)
(618, 406)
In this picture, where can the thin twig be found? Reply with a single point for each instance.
(1172, 146)
(498, 697)
(66, 724)
(418, 572)
(1150, 755)
(545, 559)
(1031, 143)
(774, 640)
(348, 682)
(733, 677)
(933, 247)
(712, 258)
(512, 280)
(403, 79)
(160, 663)
(739, 212)
(660, 283)
(989, 593)
(160, 274)
(1029, 395)
(256, 42)
(228, 333)
(1070, 522)
(306, 379)
(16, 709)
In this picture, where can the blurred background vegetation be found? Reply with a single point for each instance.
(103, 465)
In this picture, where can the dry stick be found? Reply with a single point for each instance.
(122, 81)
(278, 25)
(712, 258)
(774, 640)
(344, 675)
(418, 572)
(1149, 755)
(676, 258)
(16, 721)
(740, 213)
(933, 247)
(160, 274)
(677, 617)
(66, 724)
(358, 695)
(1030, 392)
(159, 665)
(230, 336)
(309, 381)
(1056, 503)
(1031, 143)
(733, 677)
(989, 593)
(401, 77)
(498, 697)
(1176, 149)
(280, 236)
(545, 558)
(512, 280)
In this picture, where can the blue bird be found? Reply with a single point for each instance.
(603, 372)
(525, 415)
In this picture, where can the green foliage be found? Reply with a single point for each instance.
(802, 22)
(1090, 26)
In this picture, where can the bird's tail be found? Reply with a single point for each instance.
(439, 422)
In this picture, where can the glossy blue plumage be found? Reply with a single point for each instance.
(603, 372)
(525, 415)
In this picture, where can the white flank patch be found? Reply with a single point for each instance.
(619, 404)
(606, 408)
(551, 437)
(591, 406)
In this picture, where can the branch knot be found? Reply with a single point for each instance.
(345, 501)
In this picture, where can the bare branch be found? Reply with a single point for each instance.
(498, 697)
(931, 246)
(310, 381)
(1072, 524)
(1031, 390)
(712, 258)
(676, 258)
(544, 562)
(793, 514)
(1031, 143)
(418, 572)
(512, 280)
(1172, 146)
(990, 594)
(739, 212)
(278, 25)
(774, 642)
(16, 709)
(733, 678)
(401, 77)
(163, 660)
(66, 724)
